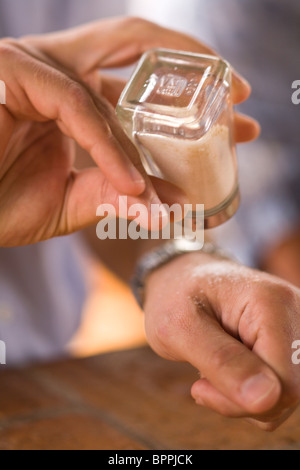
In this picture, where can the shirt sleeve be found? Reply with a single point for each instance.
(42, 293)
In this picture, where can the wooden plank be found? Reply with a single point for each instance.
(123, 400)
(72, 431)
(21, 394)
(151, 397)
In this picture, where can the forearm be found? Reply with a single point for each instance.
(120, 256)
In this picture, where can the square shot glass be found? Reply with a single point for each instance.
(177, 109)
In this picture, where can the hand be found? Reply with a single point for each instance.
(236, 326)
(50, 104)
(41, 193)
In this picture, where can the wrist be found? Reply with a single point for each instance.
(165, 257)
(180, 263)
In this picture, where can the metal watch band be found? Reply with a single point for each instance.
(163, 255)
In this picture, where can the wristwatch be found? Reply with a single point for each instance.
(163, 255)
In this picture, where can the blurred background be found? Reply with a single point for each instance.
(79, 302)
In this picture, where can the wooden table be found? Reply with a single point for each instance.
(126, 400)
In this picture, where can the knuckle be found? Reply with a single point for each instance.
(77, 95)
(9, 42)
(104, 191)
(164, 334)
(135, 22)
(8, 48)
(277, 292)
(108, 194)
(288, 295)
(142, 28)
(159, 333)
(280, 290)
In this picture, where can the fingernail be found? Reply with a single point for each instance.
(257, 388)
(199, 402)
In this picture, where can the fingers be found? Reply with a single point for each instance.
(168, 193)
(277, 310)
(274, 423)
(49, 94)
(151, 35)
(268, 329)
(119, 42)
(110, 43)
(111, 87)
(246, 129)
(241, 88)
(207, 395)
(83, 121)
(232, 369)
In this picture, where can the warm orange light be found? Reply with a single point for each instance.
(111, 318)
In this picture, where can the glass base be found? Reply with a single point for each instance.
(220, 214)
(224, 212)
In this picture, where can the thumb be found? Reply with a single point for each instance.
(232, 369)
(88, 189)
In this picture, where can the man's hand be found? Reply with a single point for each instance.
(55, 96)
(41, 193)
(236, 326)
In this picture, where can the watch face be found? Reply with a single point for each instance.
(188, 245)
